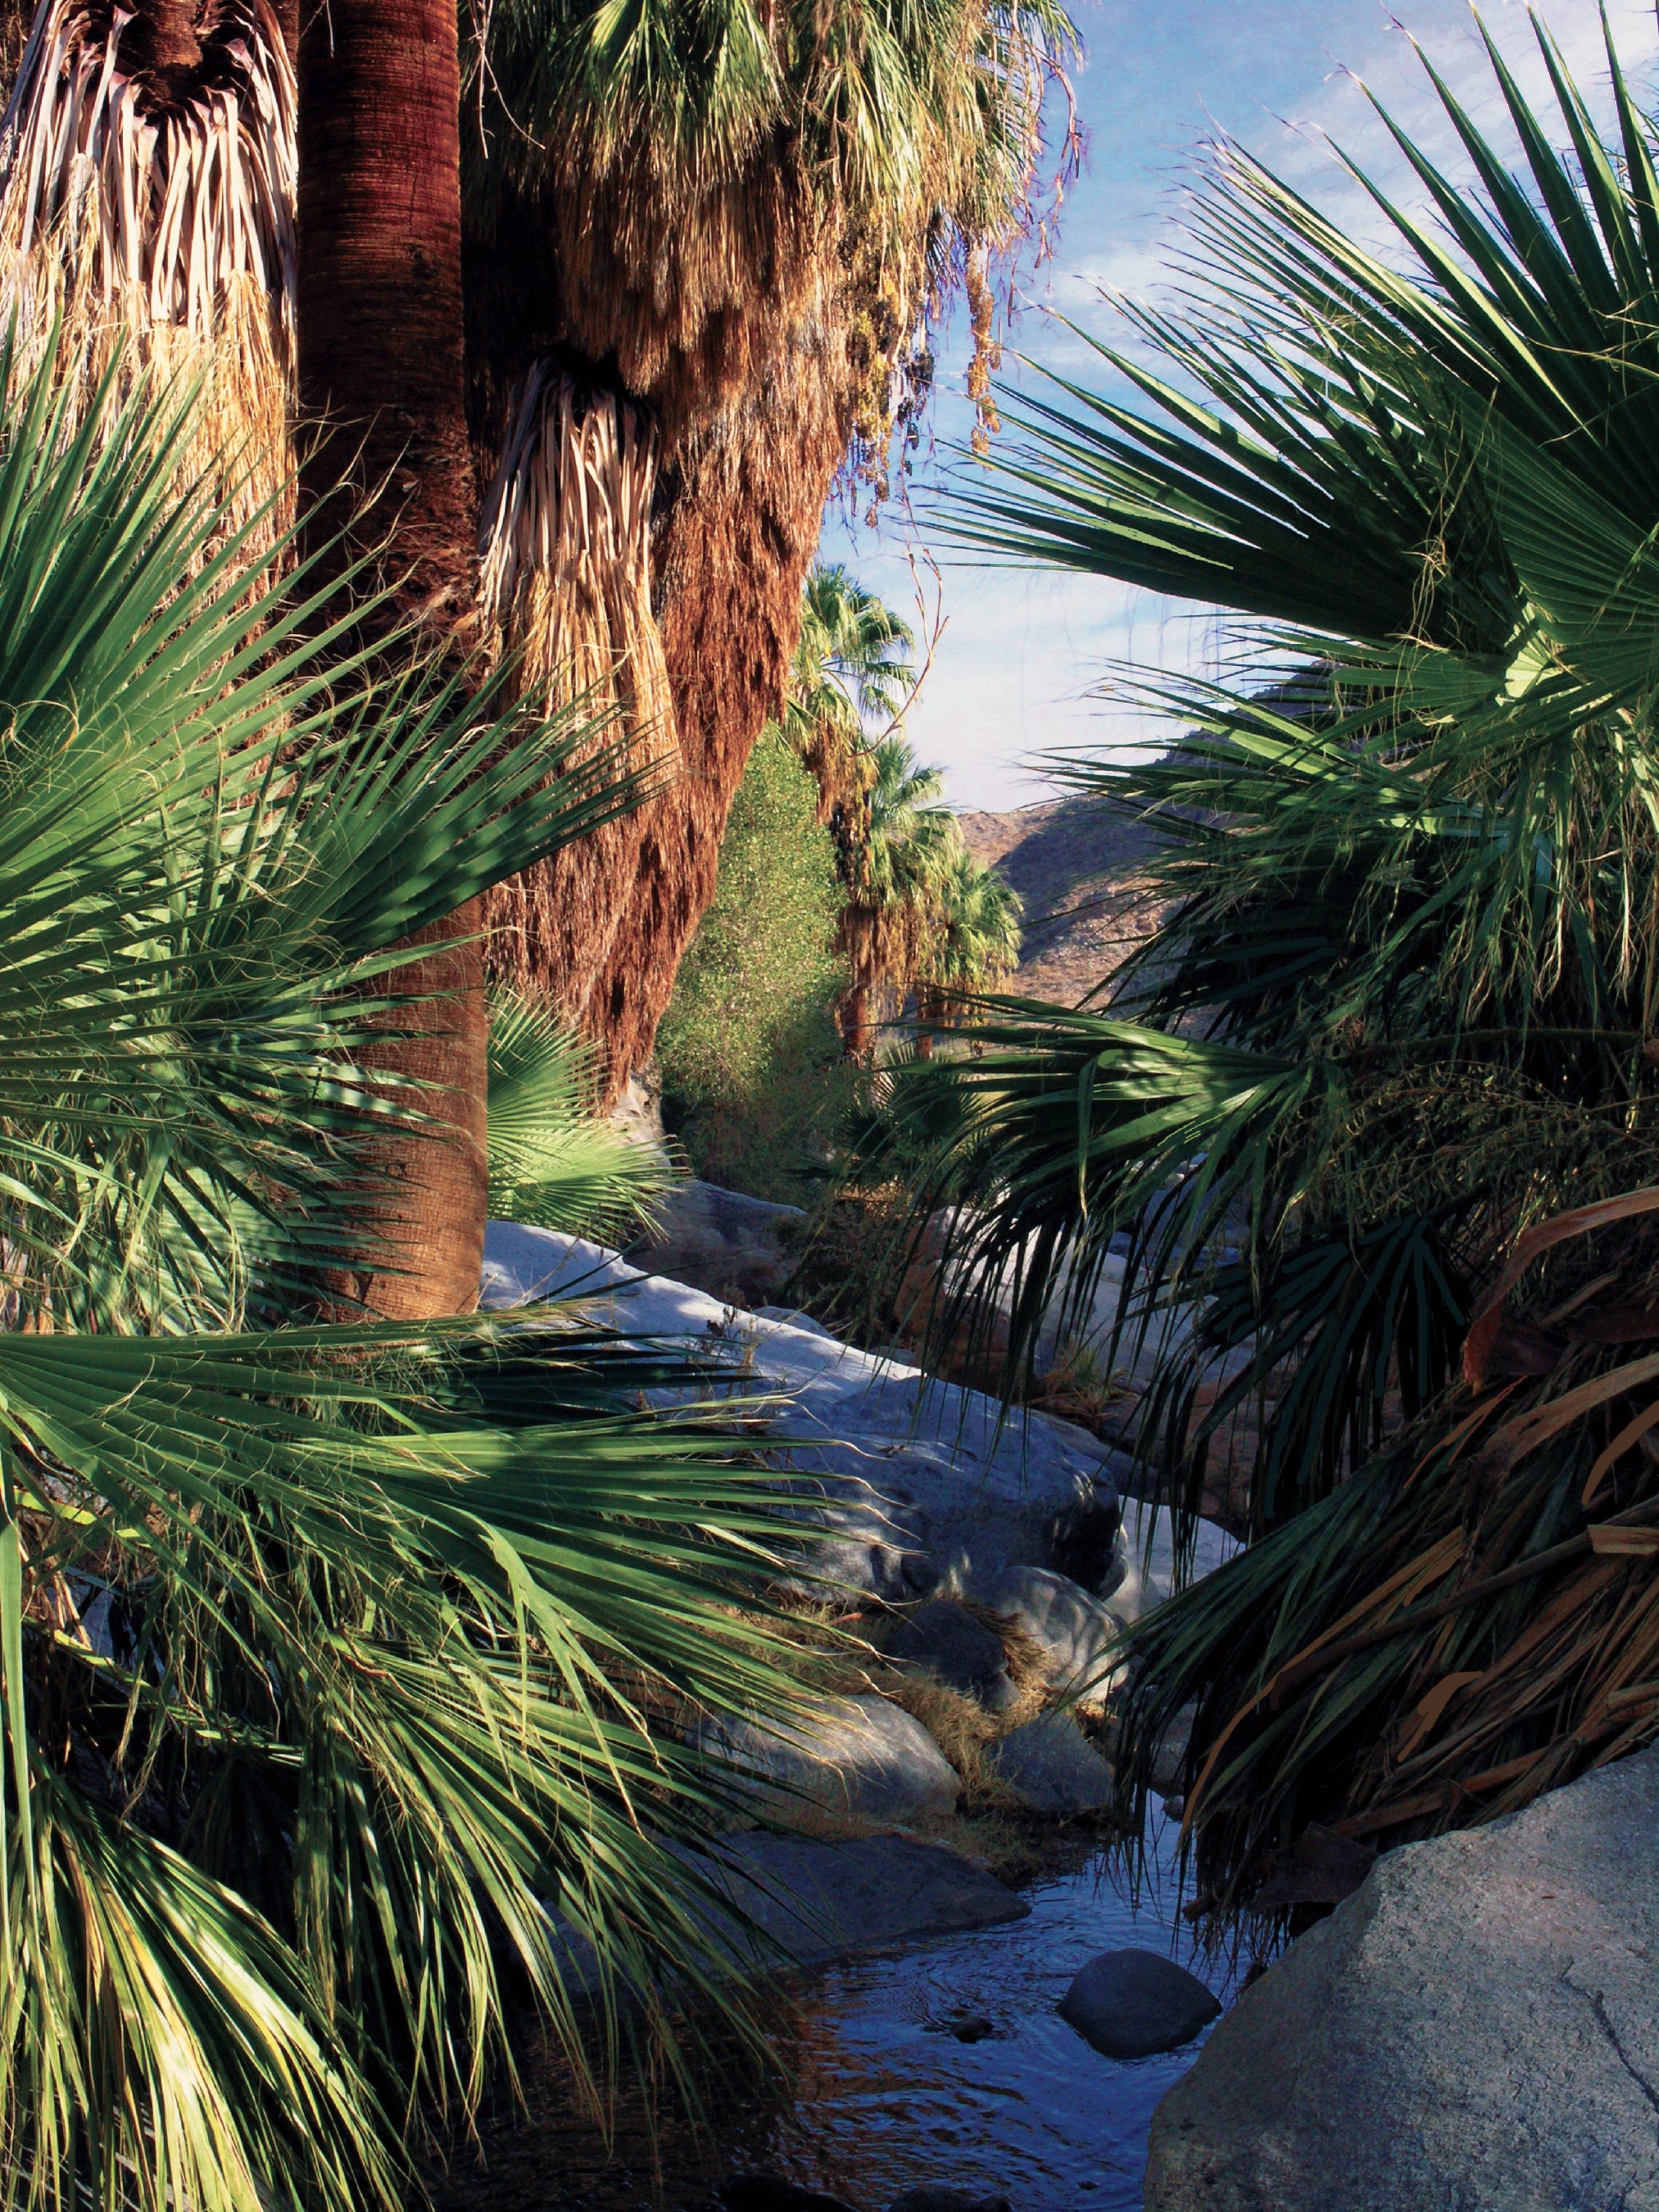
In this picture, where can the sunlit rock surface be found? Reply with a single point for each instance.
(1473, 2031)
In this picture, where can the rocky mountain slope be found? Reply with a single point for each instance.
(1080, 871)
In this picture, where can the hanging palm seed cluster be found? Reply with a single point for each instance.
(147, 180)
(565, 589)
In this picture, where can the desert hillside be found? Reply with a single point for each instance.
(1080, 871)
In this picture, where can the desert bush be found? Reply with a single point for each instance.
(753, 1082)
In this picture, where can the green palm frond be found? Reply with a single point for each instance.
(435, 1642)
(555, 1162)
(218, 824)
(344, 1672)
(1412, 876)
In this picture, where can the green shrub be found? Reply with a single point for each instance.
(753, 1080)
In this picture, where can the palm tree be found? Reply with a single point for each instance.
(851, 666)
(330, 1657)
(753, 218)
(379, 367)
(719, 235)
(898, 874)
(147, 202)
(975, 942)
(1400, 1013)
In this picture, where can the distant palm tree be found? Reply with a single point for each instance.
(975, 941)
(851, 666)
(919, 909)
(899, 875)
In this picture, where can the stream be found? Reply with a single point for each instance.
(885, 2097)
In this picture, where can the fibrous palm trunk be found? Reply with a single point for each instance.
(566, 591)
(745, 509)
(380, 370)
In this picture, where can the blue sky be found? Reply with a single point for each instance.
(1018, 656)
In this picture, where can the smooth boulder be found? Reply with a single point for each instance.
(1132, 2004)
(818, 1901)
(911, 1486)
(850, 1759)
(736, 1247)
(956, 1648)
(769, 1902)
(1073, 1631)
(1473, 2028)
(1050, 1769)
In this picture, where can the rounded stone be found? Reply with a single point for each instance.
(853, 1759)
(1051, 1769)
(950, 1642)
(1084, 1541)
(1132, 2004)
(1074, 1632)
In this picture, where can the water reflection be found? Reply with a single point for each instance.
(886, 2094)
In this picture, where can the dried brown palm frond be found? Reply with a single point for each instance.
(1472, 1620)
(706, 176)
(565, 586)
(149, 208)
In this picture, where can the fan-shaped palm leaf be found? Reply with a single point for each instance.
(339, 1666)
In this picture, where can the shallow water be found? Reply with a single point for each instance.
(886, 2097)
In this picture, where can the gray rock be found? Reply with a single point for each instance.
(771, 1902)
(1150, 1575)
(1472, 2032)
(947, 2200)
(734, 1247)
(855, 1758)
(1082, 1542)
(1130, 2004)
(793, 1317)
(1072, 1630)
(818, 1901)
(1051, 1769)
(909, 1484)
(948, 1640)
(1169, 1768)
(892, 1465)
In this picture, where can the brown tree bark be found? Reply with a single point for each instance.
(857, 1034)
(744, 512)
(379, 291)
(381, 374)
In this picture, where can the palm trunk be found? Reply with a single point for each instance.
(380, 368)
(857, 1030)
(744, 514)
(168, 28)
(379, 289)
